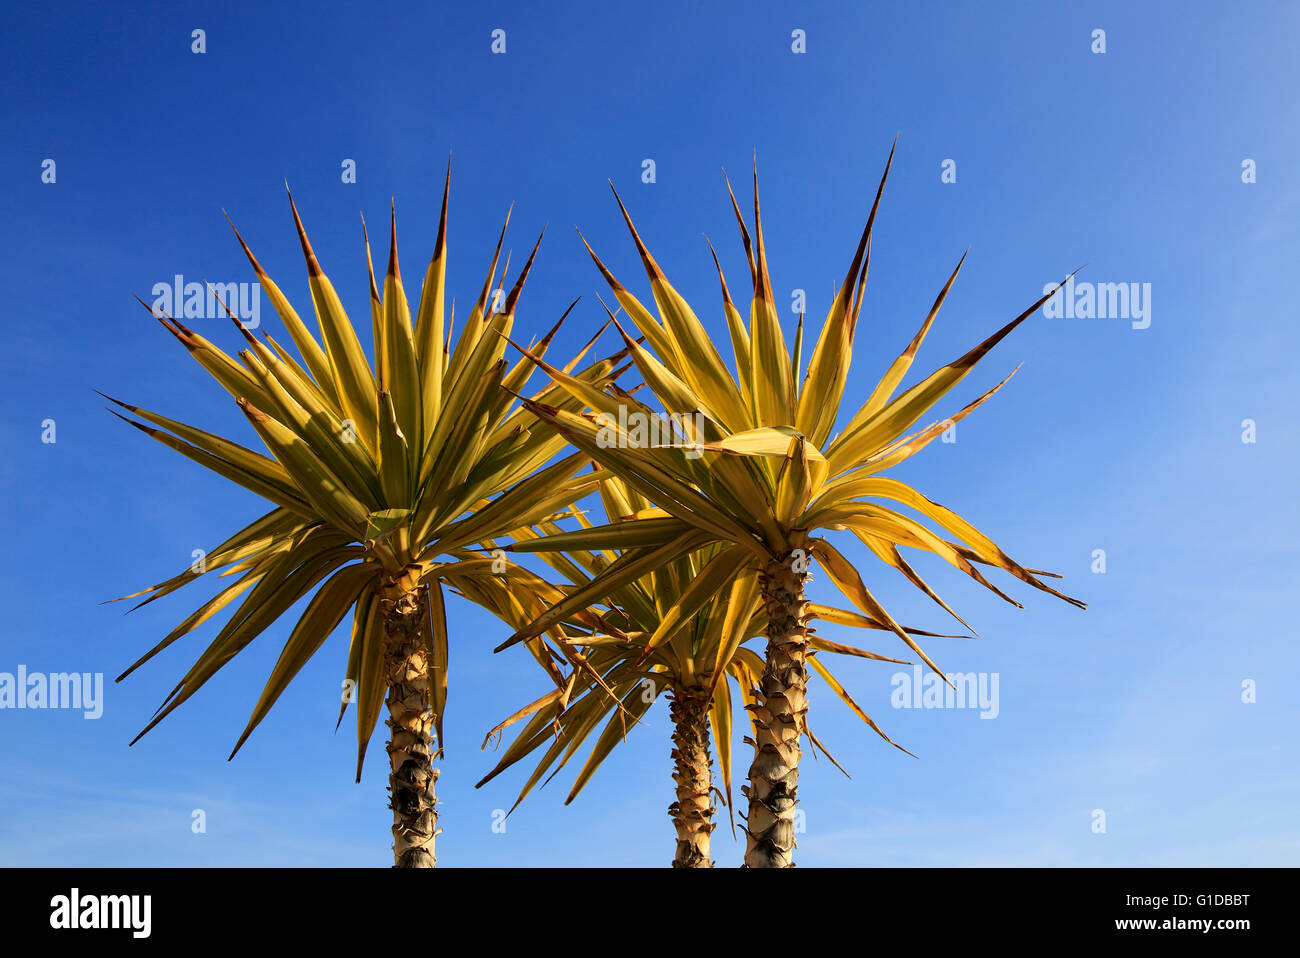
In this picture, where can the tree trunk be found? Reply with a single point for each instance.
(410, 720)
(779, 717)
(692, 813)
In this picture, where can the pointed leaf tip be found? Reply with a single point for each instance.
(313, 267)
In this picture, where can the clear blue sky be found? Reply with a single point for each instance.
(1114, 438)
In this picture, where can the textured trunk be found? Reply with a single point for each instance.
(410, 720)
(779, 717)
(692, 813)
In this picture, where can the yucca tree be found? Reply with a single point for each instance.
(760, 473)
(382, 479)
(614, 679)
(618, 674)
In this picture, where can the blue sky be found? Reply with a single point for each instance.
(1128, 162)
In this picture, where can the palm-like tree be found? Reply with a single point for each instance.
(382, 479)
(619, 672)
(761, 475)
(615, 677)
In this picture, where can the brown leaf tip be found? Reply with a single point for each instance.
(392, 245)
(251, 411)
(313, 267)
